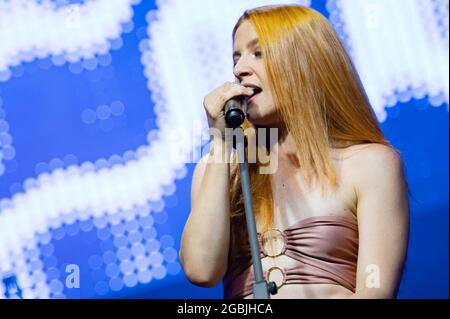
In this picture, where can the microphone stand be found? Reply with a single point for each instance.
(234, 118)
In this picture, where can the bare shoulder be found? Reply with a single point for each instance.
(373, 163)
(373, 153)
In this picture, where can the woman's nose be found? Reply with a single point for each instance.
(241, 69)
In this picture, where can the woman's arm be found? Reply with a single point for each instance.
(383, 221)
(205, 239)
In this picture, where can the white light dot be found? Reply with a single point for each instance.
(44, 238)
(130, 280)
(129, 155)
(118, 229)
(4, 126)
(149, 233)
(145, 276)
(137, 249)
(128, 27)
(135, 236)
(169, 189)
(142, 262)
(166, 241)
(72, 229)
(39, 276)
(120, 241)
(123, 253)
(17, 71)
(105, 59)
(86, 225)
(56, 287)
(129, 214)
(36, 265)
(88, 116)
(103, 233)
(170, 254)
(116, 44)
(9, 152)
(103, 112)
(24, 281)
(47, 249)
(59, 233)
(101, 163)
(70, 159)
(5, 139)
(76, 68)
(58, 60)
(116, 284)
(132, 225)
(126, 266)
(152, 245)
(143, 45)
(87, 167)
(115, 219)
(5, 75)
(146, 221)
(100, 222)
(52, 273)
(56, 163)
(158, 206)
(90, 64)
(112, 270)
(156, 258)
(115, 159)
(159, 272)
(109, 257)
(42, 291)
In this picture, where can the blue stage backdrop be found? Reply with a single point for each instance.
(101, 124)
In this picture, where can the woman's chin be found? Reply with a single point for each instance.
(258, 118)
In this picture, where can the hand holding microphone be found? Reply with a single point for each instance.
(235, 111)
(228, 99)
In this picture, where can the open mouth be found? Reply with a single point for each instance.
(257, 90)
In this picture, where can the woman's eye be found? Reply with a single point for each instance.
(257, 54)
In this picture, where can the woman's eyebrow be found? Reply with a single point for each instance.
(249, 44)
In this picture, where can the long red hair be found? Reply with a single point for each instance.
(319, 97)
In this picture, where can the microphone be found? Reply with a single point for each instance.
(235, 111)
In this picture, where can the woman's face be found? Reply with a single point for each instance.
(250, 71)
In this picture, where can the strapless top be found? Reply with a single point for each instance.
(323, 248)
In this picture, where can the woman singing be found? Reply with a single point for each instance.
(333, 219)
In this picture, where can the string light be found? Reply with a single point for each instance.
(399, 48)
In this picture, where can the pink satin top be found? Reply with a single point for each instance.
(325, 249)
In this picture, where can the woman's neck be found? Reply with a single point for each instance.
(283, 144)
